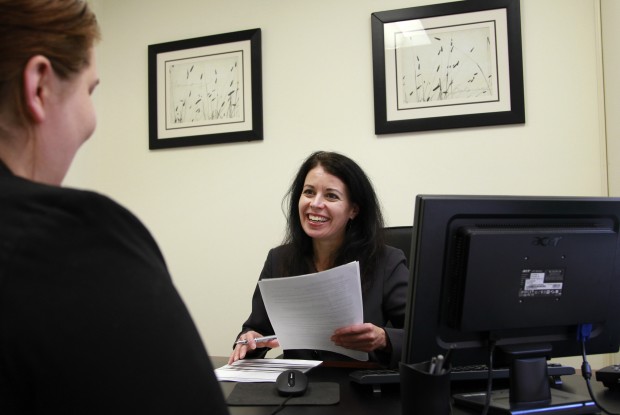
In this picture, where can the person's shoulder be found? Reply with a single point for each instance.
(389, 250)
(391, 255)
(66, 219)
(91, 206)
(98, 202)
(25, 191)
(36, 204)
(281, 249)
(97, 210)
(278, 253)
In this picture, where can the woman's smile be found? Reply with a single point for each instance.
(317, 219)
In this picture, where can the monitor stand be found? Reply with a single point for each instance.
(530, 392)
(561, 402)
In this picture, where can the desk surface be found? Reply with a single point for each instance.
(360, 400)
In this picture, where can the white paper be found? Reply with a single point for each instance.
(306, 310)
(261, 370)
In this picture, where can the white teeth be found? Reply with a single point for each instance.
(317, 218)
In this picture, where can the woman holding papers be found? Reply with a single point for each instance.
(334, 218)
(90, 321)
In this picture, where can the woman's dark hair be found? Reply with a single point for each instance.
(363, 240)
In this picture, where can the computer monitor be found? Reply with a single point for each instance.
(521, 272)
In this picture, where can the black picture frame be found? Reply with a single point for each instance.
(416, 88)
(205, 90)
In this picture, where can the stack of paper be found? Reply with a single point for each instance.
(261, 370)
(306, 310)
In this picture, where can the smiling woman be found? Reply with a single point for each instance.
(324, 211)
(334, 218)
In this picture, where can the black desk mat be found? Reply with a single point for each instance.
(258, 394)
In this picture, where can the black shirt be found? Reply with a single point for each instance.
(90, 322)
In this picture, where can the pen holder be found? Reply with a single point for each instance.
(423, 393)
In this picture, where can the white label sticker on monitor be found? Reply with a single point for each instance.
(541, 283)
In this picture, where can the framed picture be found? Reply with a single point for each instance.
(205, 90)
(449, 65)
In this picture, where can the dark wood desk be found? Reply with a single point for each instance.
(360, 400)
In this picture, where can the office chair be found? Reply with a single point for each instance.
(400, 237)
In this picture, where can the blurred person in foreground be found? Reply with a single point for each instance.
(90, 321)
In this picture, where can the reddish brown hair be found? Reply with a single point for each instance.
(63, 31)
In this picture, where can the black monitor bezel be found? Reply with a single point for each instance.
(432, 215)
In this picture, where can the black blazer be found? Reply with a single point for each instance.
(384, 302)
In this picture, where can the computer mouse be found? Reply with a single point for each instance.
(291, 382)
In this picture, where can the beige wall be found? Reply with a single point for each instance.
(610, 16)
(216, 210)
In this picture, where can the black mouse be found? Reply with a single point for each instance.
(291, 383)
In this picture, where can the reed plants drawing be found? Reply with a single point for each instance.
(439, 67)
(205, 92)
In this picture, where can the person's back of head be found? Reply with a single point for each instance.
(47, 76)
(64, 31)
(90, 320)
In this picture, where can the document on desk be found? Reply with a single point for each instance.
(261, 370)
(306, 310)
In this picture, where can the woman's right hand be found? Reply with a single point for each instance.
(242, 349)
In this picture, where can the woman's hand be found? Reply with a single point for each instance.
(362, 337)
(242, 349)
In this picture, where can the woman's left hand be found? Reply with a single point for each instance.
(363, 337)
